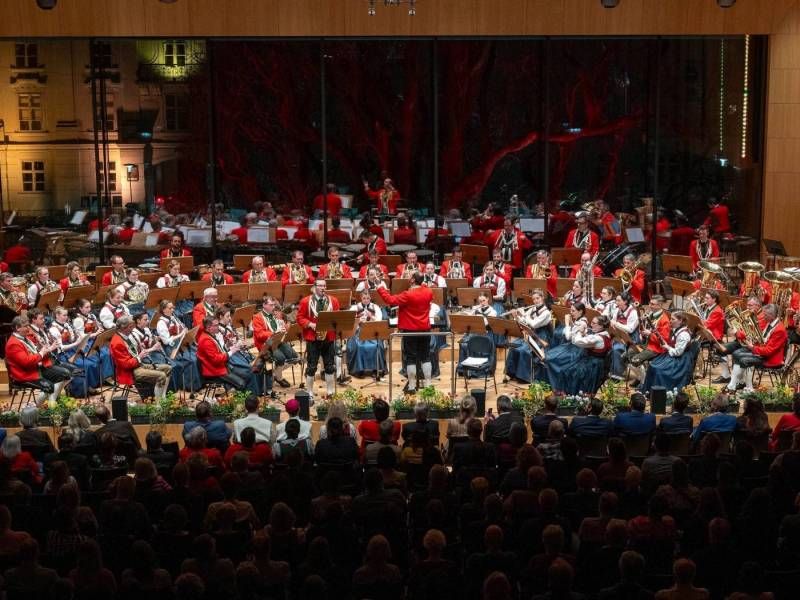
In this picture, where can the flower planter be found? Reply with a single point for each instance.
(447, 413)
(140, 419)
(322, 414)
(405, 414)
(566, 410)
(517, 414)
(778, 408)
(362, 415)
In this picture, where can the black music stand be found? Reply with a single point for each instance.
(342, 323)
(275, 340)
(379, 332)
(774, 248)
(507, 328)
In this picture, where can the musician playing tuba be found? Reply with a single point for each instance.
(632, 277)
(769, 353)
(742, 325)
(542, 269)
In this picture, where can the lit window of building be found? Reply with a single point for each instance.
(32, 176)
(175, 53)
(30, 112)
(112, 174)
(27, 56)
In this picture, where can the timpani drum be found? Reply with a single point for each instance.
(424, 255)
(400, 248)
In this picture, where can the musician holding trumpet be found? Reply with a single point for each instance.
(266, 323)
(30, 364)
(673, 367)
(542, 269)
(767, 352)
(654, 328)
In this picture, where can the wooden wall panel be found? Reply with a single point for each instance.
(781, 204)
(110, 18)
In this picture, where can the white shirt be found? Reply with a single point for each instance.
(484, 311)
(589, 340)
(498, 282)
(373, 309)
(570, 331)
(107, 316)
(605, 307)
(262, 426)
(162, 329)
(632, 323)
(682, 339)
(166, 280)
(56, 332)
(363, 285)
(305, 429)
(438, 281)
(534, 319)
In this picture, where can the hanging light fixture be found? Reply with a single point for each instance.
(412, 6)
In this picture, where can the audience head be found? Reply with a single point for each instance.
(421, 411)
(102, 413)
(202, 411)
(474, 428)
(386, 431)
(638, 402)
(680, 402)
(518, 435)
(555, 431)
(631, 566)
(596, 407)
(292, 407)
(503, 404)
(153, 440)
(380, 408)
(28, 417)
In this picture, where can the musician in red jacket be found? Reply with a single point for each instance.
(503, 268)
(129, 365)
(511, 242)
(117, 274)
(718, 218)
(176, 247)
(586, 260)
(770, 353)
(333, 269)
(296, 272)
(413, 315)
(336, 235)
(543, 263)
(373, 258)
(217, 275)
(455, 267)
(654, 324)
(258, 273)
(213, 357)
(266, 323)
(374, 242)
(386, 198)
(205, 308)
(29, 364)
(582, 236)
(713, 315)
(637, 282)
(753, 305)
(703, 248)
(307, 315)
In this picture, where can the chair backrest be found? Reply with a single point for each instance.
(638, 445)
(785, 439)
(592, 445)
(679, 443)
(480, 346)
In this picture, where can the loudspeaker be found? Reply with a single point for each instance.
(119, 408)
(658, 400)
(480, 401)
(303, 398)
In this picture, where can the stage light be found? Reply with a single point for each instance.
(46, 4)
(725, 3)
(168, 1)
(609, 3)
(371, 10)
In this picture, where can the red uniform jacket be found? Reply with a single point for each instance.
(166, 253)
(637, 284)
(369, 432)
(287, 270)
(334, 204)
(715, 322)
(680, 240)
(573, 274)
(405, 235)
(719, 219)
(465, 265)
(764, 284)
(523, 246)
(694, 254)
(362, 272)
(415, 307)
(124, 363)
(107, 278)
(394, 199)
(773, 349)
(664, 328)
(261, 331)
(199, 313)
(304, 317)
(213, 359)
(227, 278)
(436, 233)
(552, 281)
(323, 271)
(22, 360)
(507, 273)
(270, 274)
(337, 236)
(379, 246)
(594, 241)
(124, 236)
(241, 233)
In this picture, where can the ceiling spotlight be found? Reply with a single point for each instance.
(412, 9)
(46, 4)
(371, 10)
(609, 3)
(726, 3)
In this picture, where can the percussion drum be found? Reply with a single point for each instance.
(400, 248)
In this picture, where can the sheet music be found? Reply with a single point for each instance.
(258, 235)
(78, 217)
(137, 221)
(151, 240)
(147, 228)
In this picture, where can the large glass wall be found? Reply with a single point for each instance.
(456, 123)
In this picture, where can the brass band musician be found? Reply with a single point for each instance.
(431, 278)
(626, 319)
(257, 272)
(655, 329)
(74, 278)
(455, 267)
(582, 236)
(766, 352)
(173, 277)
(117, 273)
(372, 261)
(217, 276)
(334, 269)
(605, 301)
(583, 267)
(501, 267)
(633, 278)
(372, 282)
(135, 292)
(543, 269)
(364, 356)
(537, 318)
(10, 296)
(703, 248)
(266, 323)
(319, 344)
(176, 247)
(113, 308)
(407, 269)
(42, 285)
(491, 280)
(753, 314)
(296, 273)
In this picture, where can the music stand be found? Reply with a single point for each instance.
(188, 339)
(156, 295)
(187, 263)
(377, 331)
(79, 348)
(345, 298)
(438, 295)
(257, 291)
(392, 261)
(601, 282)
(565, 257)
(565, 285)
(467, 324)
(49, 300)
(453, 286)
(524, 286)
(560, 311)
(376, 298)
(292, 294)
(192, 290)
(591, 313)
(100, 294)
(341, 323)
(680, 287)
(621, 335)
(725, 298)
(469, 296)
(59, 272)
(235, 293)
(243, 315)
(73, 294)
(400, 285)
(676, 263)
(474, 254)
(243, 262)
(150, 278)
(340, 284)
(774, 248)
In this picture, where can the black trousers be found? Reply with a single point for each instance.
(746, 359)
(56, 373)
(233, 380)
(283, 353)
(320, 349)
(416, 349)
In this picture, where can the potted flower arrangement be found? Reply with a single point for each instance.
(9, 418)
(613, 395)
(777, 399)
(531, 401)
(573, 404)
(403, 407)
(359, 405)
(440, 404)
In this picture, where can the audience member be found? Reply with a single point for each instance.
(387, 429)
(30, 436)
(217, 433)
(293, 410)
(677, 422)
(593, 424)
(540, 423)
(635, 421)
(421, 422)
(497, 429)
(263, 427)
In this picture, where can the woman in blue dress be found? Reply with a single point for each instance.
(520, 359)
(579, 366)
(363, 356)
(674, 368)
(576, 295)
(171, 331)
(85, 322)
(173, 278)
(88, 379)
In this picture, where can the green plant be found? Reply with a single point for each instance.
(531, 401)
(9, 418)
(702, 397)
(402, 404)
(612, 393)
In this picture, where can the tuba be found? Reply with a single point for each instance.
(751, 272)
(710, 273)
(297, 274)
(541, 272)
(781, 290)
(744, 321)
(137, 293)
